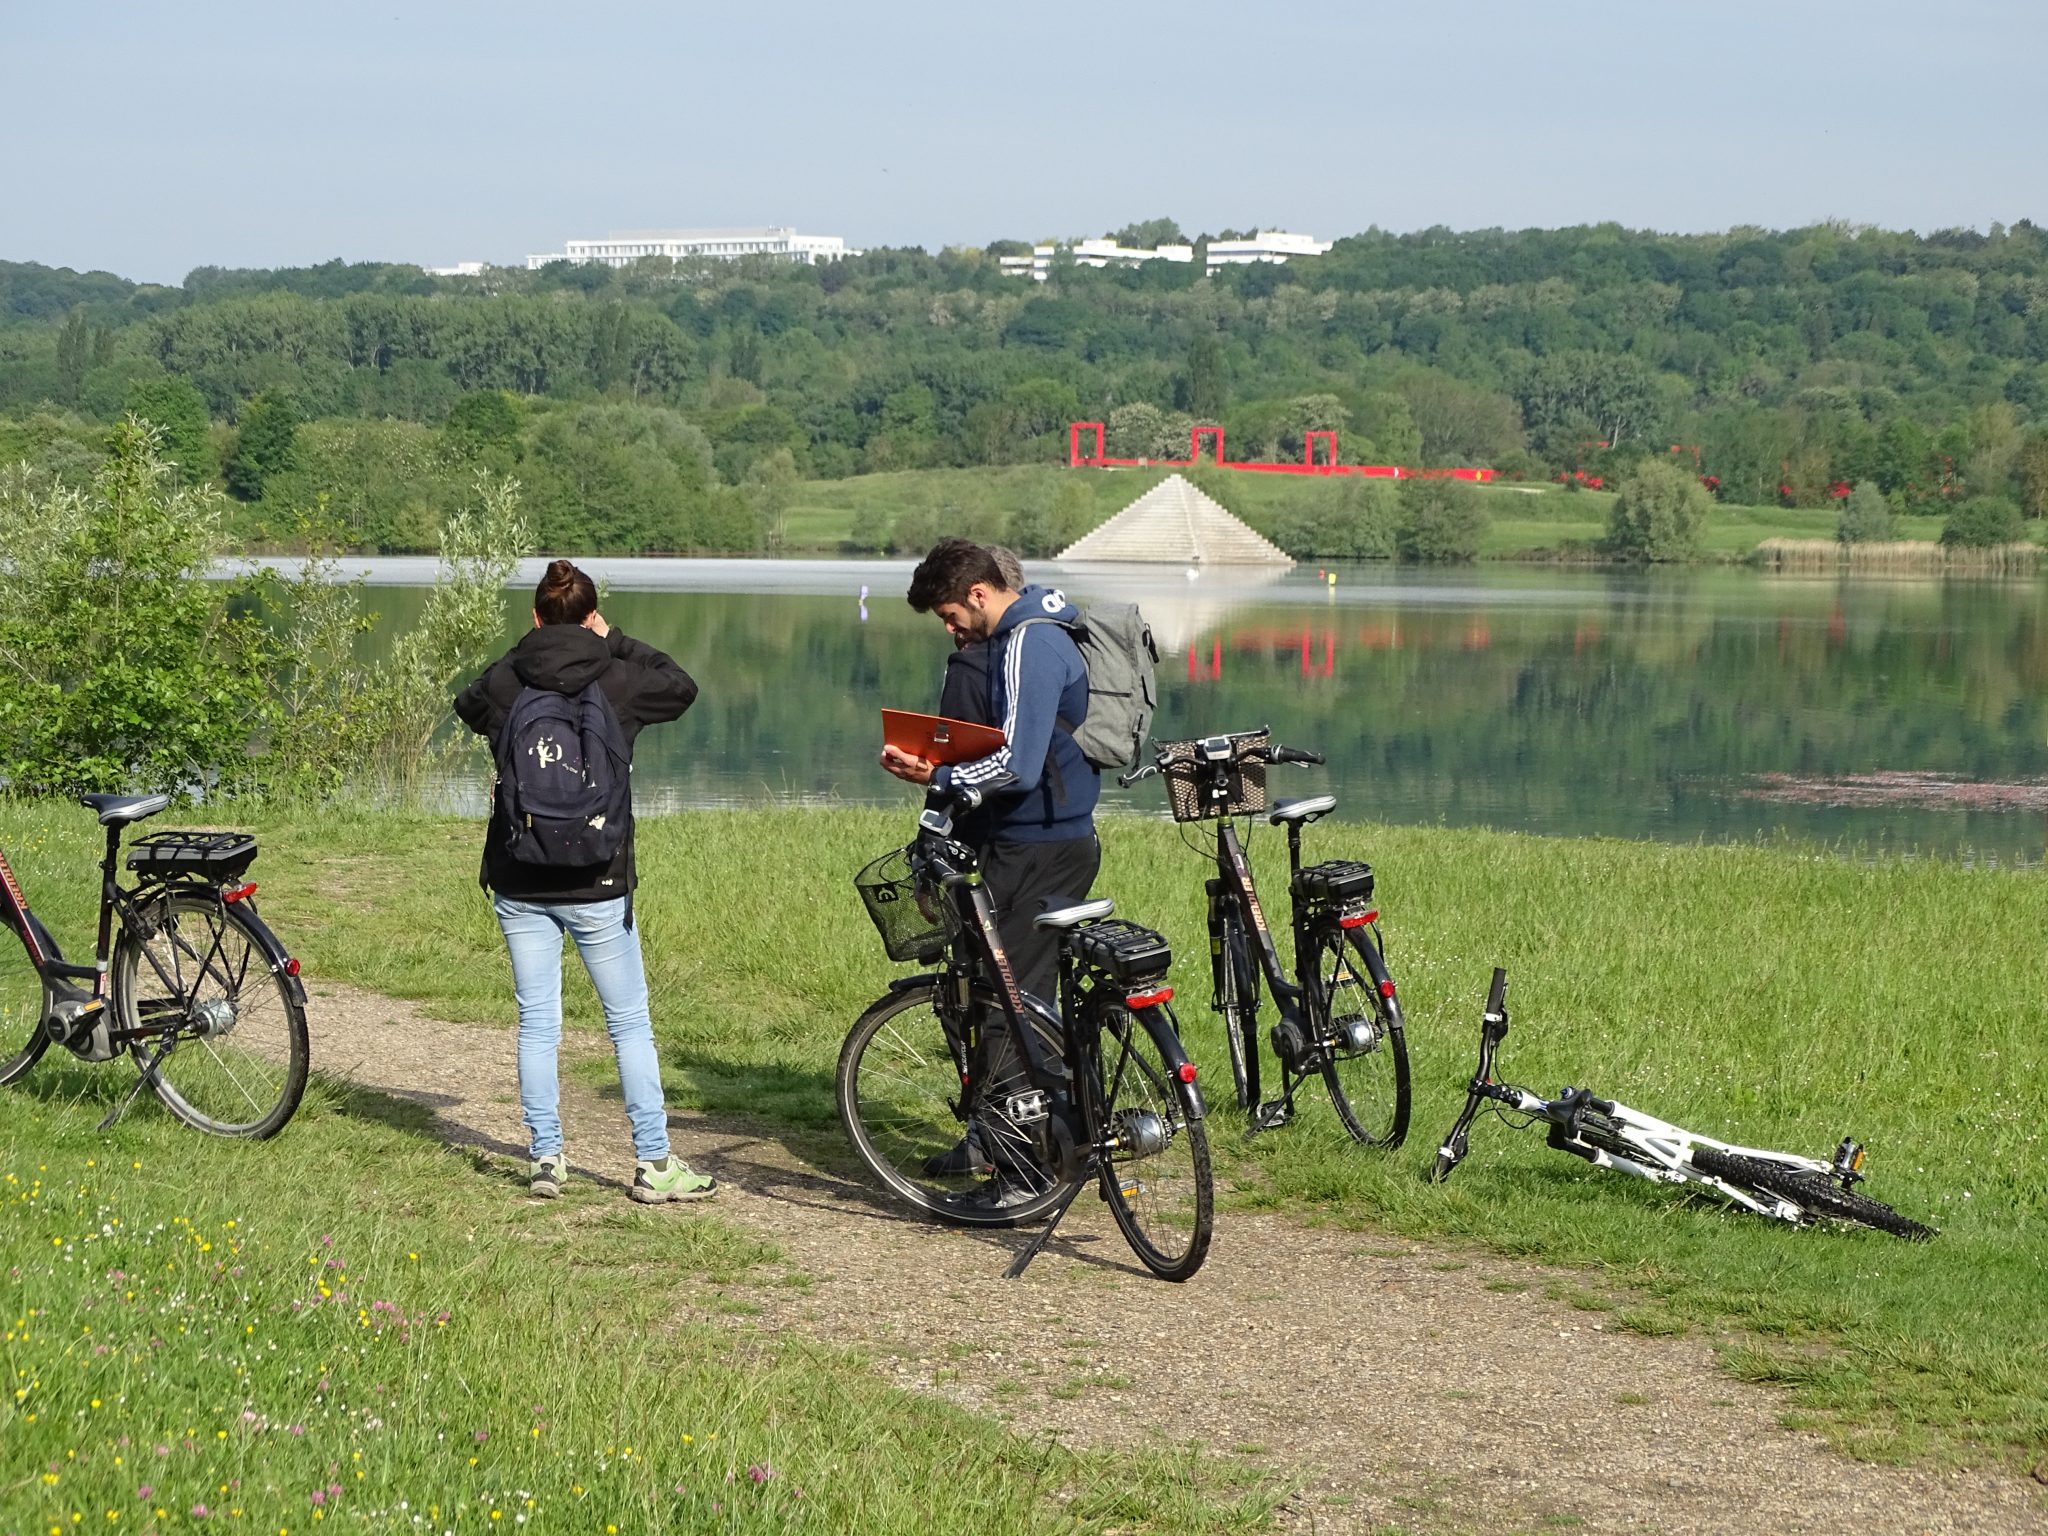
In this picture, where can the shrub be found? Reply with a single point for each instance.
(1440, 522)
(1866, 517)
(1983, 521)
(1659, 515)
(127, 667)
(1346, 520)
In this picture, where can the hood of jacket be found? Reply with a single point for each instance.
(560, 658)
(1036, 602)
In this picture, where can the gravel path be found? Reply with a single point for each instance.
(1392, 1384)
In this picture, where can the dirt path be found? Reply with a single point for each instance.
(1417, 1391)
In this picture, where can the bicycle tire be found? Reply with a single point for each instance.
(1163, 1196)
(22, 989)
(898, 1089)
(1811, 1191)
(1241, 1031)
(211, 974)
(1368, 1088)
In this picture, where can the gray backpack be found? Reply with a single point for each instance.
(1117, 650)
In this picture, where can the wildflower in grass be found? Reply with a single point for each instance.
(760, 1472)
(145, 1491)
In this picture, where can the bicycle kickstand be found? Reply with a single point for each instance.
(145, 1078)
(1037, 1245)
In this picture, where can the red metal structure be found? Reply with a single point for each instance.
(1311, 463)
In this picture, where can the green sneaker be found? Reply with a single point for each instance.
(670, 1179)
(544, 1176)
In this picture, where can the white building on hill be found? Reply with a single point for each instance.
(1266, 245)
(625, 247)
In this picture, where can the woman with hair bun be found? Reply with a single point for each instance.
(569, 648)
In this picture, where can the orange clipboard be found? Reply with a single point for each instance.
(937, 739)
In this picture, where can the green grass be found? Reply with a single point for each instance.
(1528, 522)
(1776, 995)
(356, 1325)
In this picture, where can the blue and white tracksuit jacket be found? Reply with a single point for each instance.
(1038, 787)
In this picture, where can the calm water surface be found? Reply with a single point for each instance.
(1882, 714)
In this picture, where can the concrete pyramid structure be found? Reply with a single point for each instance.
(1173, 523)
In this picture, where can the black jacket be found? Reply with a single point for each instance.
(645, 687)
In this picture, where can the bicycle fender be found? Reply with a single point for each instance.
(1176, 1057)
(911, 983)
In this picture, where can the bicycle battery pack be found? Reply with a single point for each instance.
(1337, 881)
(200, 855)
(1124, 951)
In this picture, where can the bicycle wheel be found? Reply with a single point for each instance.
(1156, 1174)
(207, 977)
(1239, 1003)
(24, 999)
(901, 1102)
(1813, 1192)
(1360, 1034)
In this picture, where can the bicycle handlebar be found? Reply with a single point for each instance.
(1293, 755)
(1493, 1029)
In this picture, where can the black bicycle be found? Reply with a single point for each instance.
(1105, 1094)
(1342, 1022)
(1609, 1134)
(186, 979)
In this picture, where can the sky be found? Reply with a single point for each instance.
(147, 139)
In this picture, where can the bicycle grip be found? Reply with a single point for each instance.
(1126, 780)
(1497, 997)
(1293, 755)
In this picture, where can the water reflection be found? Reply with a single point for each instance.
(1710, 704)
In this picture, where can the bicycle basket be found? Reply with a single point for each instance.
(1188, 777)
(914, 924)
(204, 855)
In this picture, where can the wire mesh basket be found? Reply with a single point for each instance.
(916, 923)
(1191, 776)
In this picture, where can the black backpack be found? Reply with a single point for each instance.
(565, 784)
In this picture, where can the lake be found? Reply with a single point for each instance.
(1905, 715)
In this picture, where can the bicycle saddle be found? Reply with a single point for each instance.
(118, 810)
(1074, 917)
(1301, 810)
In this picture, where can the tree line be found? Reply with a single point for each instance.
(670, 405)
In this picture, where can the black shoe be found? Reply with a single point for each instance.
(962, 1159)
(998, 1195)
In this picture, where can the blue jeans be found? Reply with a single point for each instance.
(611, 954)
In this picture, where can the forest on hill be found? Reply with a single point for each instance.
(679, 406)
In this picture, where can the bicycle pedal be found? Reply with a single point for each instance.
(1271, 1115)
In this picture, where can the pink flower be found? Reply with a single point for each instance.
(760, 1473)
(319, 1497)
(145, 1491)
(199, 1511)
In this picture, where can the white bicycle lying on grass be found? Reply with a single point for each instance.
(1611, 1135)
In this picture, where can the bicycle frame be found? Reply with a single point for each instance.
(1610, 1134)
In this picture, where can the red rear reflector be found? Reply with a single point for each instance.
(1359, 919)
(1387, 987)
(1185, 1072)
(1149, 999)
(291, 966)
(239, 892)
